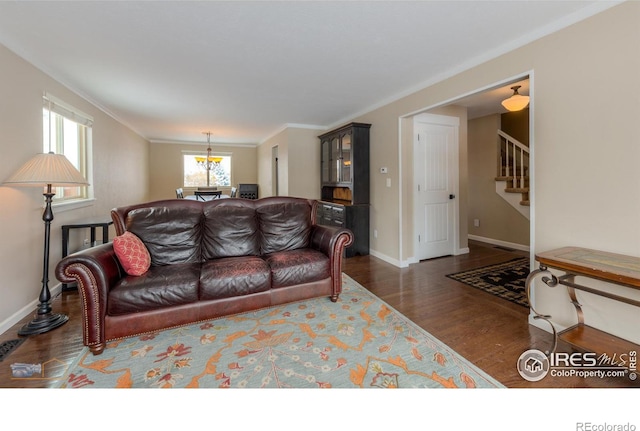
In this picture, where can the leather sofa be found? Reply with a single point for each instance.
(208, 259)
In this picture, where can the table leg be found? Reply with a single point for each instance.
(550, 280)
(65, 241)
(65, 248)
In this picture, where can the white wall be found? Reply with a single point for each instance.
(298, 162)
(120, 165)
(586, 185)
(499, 221)
(166, 160)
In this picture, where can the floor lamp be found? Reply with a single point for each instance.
(46, 170)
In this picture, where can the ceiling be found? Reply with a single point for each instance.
(244, 70)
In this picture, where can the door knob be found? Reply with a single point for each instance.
(452, 196)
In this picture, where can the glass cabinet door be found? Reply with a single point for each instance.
(334, 170)
(325, 162)
(345, 158)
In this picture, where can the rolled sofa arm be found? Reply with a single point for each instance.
(95, 270)
(332, 241)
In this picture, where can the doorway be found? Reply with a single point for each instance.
(435, 169)
(480, 102)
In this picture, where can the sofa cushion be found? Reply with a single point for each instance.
(161, 286)
(284, 225)
(171, 234)
(297, 267)
(132, 254)
(230, 229)
(233, 276)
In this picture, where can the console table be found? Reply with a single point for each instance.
(595, 264)
(92, 224)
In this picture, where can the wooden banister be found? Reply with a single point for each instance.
(513, 159)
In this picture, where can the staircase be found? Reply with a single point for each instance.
(512, 178)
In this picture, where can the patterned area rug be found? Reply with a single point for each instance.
(358, 342)
(506, 280)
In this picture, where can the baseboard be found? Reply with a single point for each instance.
(27, 310)
(460, 251)
(544, 325)
(392, 261)
(500, 243)
(411, 260)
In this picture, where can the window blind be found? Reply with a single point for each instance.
(67, 111)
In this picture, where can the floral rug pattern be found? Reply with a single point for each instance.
(357, 342)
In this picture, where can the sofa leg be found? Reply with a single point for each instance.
(334, 298)
(97, 349)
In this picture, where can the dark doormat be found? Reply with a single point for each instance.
(9, 346)
(505, 280)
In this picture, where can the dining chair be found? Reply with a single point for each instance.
(179, 193)
(233, 192)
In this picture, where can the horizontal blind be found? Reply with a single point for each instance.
(59, 107)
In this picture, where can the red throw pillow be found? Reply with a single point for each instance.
(132, 253)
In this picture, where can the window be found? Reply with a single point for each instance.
(195, 175)
(67, 131)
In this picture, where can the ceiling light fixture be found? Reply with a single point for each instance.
(516, 102)
(210, 162)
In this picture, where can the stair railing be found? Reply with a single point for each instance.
(513, 159)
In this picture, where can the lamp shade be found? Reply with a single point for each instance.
(47, 168)
(516, 102)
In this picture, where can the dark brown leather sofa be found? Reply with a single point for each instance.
(208, 259)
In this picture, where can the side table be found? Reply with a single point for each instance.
(92, 224)
(612, 268)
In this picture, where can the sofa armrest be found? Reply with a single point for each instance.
(332, 241)
(95, 270)
(328, 239)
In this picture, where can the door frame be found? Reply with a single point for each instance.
(405, 137)
(439, 120)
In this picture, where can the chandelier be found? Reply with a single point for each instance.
(210, 162)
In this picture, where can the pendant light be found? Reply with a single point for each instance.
(516, 102)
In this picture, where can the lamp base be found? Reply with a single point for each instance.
(43, 323)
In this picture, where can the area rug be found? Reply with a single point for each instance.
(357, 342)
(506, 280)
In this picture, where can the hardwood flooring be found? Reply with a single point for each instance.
(490, 332)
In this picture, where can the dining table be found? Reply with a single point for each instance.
(206, 196)
(211, 194)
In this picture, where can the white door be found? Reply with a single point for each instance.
(436, 185)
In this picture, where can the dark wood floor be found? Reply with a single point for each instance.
(488, 331)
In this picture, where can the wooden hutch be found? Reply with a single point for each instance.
(344, 177)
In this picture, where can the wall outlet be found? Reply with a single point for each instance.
(388, 182)
(375, 233)
(85, 242)
(476, 222)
